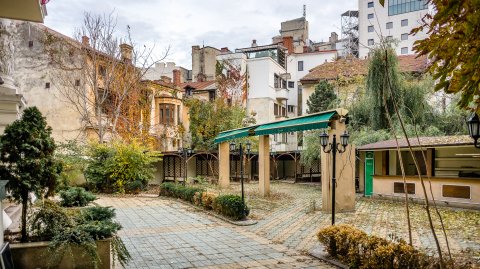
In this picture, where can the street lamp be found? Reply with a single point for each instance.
(240, 150)
(185, 152)
(334, 147)
(473, 124)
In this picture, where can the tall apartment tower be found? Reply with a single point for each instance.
(395, 20)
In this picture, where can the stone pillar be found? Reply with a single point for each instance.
(11, 102)
(345, 175)
(264, 165)
(224, 164)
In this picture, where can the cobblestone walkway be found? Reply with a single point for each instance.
(165, 234)
(294, 223)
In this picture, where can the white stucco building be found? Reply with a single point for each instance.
(299, 65)
(395, 20)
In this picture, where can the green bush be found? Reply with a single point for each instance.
(186, 193)
(117, 167)
(79, 227)
(76, 196)
(47, 220)
(96, 213)
(72, 156)
(359, 250)
(231, 206)
(134, 187)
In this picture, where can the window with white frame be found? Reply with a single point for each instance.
(389, 25)
(370, 16)
(404, 50)
(371, 42)
(404, 22)
(370, 28)
(404, 37)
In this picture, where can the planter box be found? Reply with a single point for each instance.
(35, 255)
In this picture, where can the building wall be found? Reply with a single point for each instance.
(33, 70)
(204, 62)
(310, 61)
(165, 69)
(298, 29)
(448, 162)
(379, 21)
(383, 186)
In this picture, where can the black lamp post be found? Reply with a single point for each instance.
(334, 147)
(240, 150)
(185, 152)
(473, 124)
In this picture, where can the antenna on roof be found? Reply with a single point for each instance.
(304, 11)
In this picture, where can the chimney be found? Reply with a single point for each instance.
(333, 37)
(288, 43)
(196, 47)
(176, 77)
(254, 43)
(85, 40)
(224, 50)
(305, 49)
(126, 52)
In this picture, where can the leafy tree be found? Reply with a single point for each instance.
(311, 147)
(27, 160)
(323, 98)
(378, 71)
(118, 166)
(452, 46)
(208, 119)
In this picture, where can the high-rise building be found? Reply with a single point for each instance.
(395, 20)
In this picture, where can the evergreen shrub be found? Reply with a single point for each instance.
(76, 196)
(231, 206)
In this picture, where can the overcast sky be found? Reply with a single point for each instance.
(217, 23)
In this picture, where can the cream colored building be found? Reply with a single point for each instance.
(204, 63)
(450, 164)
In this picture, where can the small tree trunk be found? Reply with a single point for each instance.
(24, 217)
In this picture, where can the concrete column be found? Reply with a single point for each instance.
(224, 165)
(264, 165)
(11, 102)
(345, 174)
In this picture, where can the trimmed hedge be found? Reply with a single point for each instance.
(230, 206)
(360, 250)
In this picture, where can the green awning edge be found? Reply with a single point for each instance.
(235, 133)
(304, 123)
(308, 122)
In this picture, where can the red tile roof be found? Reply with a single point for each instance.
(198, 85)
(438, 141)
(354, 67)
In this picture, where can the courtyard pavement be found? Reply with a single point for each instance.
(161, 233)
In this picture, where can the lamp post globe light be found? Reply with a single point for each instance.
(333, 148)
(240, 151)
(473, 124)
(185, 152)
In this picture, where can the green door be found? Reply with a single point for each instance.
(369, 171)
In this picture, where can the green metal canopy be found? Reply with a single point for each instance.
(304, 123)
(236, 133)
(309, 122)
